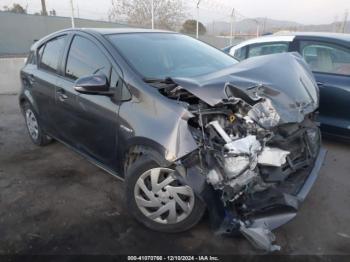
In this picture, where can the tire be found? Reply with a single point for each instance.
(35, 131)
(140, 171)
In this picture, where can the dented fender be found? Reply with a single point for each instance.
(139, 126)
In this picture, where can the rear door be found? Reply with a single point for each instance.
(44, 78)
(330, 63)
(88, 122)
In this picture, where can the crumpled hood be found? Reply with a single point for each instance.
(285, 79)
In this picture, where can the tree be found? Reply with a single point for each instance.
(53, 12)
(168, 14)
(16, 8)
(190, 27)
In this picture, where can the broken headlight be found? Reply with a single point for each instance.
(264, 114)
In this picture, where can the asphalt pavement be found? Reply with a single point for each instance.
(53, 201)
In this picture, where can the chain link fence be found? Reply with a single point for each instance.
(19, 31)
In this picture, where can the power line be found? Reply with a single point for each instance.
(72, 15)
(43, 8)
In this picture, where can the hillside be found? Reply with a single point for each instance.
(249, 26)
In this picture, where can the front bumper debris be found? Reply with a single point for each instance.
(258, 231)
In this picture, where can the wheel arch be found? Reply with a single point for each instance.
(139, 146)
(26, 97)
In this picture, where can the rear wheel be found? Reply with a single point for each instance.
(35, 131)
(159, 200)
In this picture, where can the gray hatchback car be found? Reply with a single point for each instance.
(186, 126)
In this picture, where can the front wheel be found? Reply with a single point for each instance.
(159, 200)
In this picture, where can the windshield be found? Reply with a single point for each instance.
(161, 55)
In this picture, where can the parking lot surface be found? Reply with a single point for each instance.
(53, 201)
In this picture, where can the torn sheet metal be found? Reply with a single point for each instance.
(247, 145)
(220, 130)
(241, 155)
(265, 114)
(291, 88)
(233, 166)
(260, 237)
(272, 156)
(243, 179)
(180, 141)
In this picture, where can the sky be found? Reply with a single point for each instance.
(301, 11)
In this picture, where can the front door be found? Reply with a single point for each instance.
(330, 64)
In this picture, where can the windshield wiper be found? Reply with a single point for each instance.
(166, 80)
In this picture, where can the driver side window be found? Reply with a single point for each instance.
(85, 58)
(326, 57)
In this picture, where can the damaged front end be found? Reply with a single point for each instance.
(259, 147)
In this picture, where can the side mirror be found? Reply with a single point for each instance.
(93, 85)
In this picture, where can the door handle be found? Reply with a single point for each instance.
(320, 84)
(31, 78)
(61, 95)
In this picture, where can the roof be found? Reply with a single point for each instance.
(121, 30)
(338, 36)
(268, 38)
(102, 31)
(289, 37)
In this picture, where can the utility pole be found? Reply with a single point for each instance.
(72, 15)
(152, 11)
(264, 25)
(197, 27)
(43, 8)
(344, 21)
(257, 27)
(335, 24)
(78, 11)
(232, 25)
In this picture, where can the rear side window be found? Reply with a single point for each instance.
(240, 54)
(85, 58)
(51, 53)
(31, 58)
(267, 49)
(326, 57)
(40, 53)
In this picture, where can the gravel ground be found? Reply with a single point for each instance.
(53, 201)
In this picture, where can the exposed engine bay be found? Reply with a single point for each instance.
(240, 155)
(256, 150)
